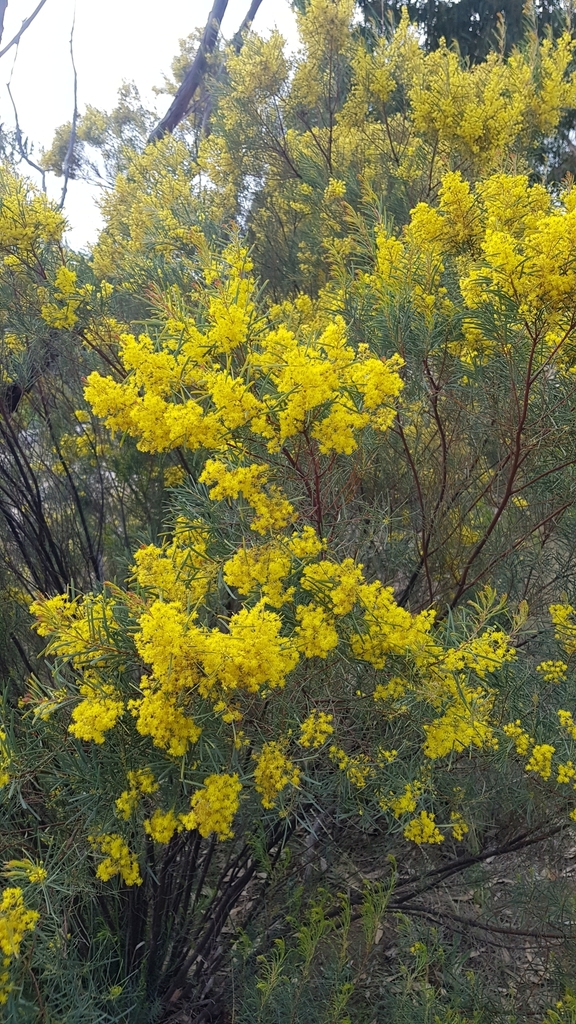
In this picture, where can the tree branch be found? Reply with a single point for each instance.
(181, 102)
(20, 143)
(3, 6)
(247, 22)
(25, 24)
(68, 159)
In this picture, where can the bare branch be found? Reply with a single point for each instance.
(68, 159)
(20, 143)
(193, 78)
(3, 6)
(25, 24)
(252, 12)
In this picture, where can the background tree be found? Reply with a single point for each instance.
(475, 27)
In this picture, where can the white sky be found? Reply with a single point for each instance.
(113, 40)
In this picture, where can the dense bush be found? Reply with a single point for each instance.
(287, 483)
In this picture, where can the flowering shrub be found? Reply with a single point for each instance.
(335, 631)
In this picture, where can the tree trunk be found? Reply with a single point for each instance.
(181, 102)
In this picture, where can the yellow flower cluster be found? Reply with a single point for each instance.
(540, 760)
(423, 829)
(181, 390)
(316, 729)
(181, 571)
(458, 825)
(522, 740)
(69, 296)
(97, 713)
(15, 921)
(357, 769)
(263, 567)
(214, 807)
(315, 634)
(273, 772)
(466, 723)
(118, 860)
(553, 671)
(32, 871)
(140, 782)
(392, 690)
(568, 723)
(406, 802)
(273, 511)
(4, 760)
(566, 772)
(161, 827)
(564, 618)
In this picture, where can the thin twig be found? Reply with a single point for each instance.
(21, 147)
(67, 165)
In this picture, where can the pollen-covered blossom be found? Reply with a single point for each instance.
(181, 571)
(75, 627)
(273, 772)
(458, 825)
(396, 687)
(316, 729)
(357, 768)
(567, 722)
(466, 723)
(315, 633)
(118, 859)
(97, 713)
(389, 629)
(423, 829)
(306, 543)
(337, 583)
(565, 772)
(251, 655)
(273, 510)
(158, 715)
(214, 807)
(15, 920)
(140, 782)
(162, 826)
(553, 671)
(69, 296)
(541, 760)
(522, 740)
(406, 802)
(264, 567)
(335, 189)
(564, 618)
(484, 653)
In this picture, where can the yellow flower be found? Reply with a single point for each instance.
(315, 633)
(274, 771)
(214, 807)
(15, 920)
(522, 740)
(458, 825)
(119, 859)
(316, 729)
(161, 827)
(357, 769)
(552, 671)
(541, 760)
(423, 829)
